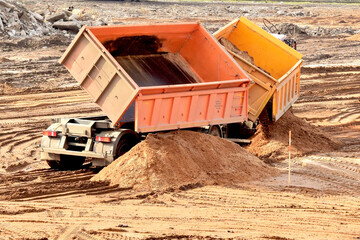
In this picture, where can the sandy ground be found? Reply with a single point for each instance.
(322, 201)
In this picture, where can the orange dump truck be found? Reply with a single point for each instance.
(146, 78)
(272, 65)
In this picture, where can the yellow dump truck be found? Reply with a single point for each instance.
(272, 65)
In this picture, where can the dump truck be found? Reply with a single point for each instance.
(165, 77)
(146, 79)
(272, 65)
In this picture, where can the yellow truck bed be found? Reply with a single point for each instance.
(273, 66)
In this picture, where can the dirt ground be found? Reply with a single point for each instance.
(321, 202)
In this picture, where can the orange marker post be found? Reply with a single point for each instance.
(289, 156)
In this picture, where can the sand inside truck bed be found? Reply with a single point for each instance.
(175, 159)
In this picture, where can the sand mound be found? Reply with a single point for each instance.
(172, 160)
(270, 142)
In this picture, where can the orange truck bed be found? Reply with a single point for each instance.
(274, 69)
(175, 75)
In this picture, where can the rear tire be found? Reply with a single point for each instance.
(53, 164)
(215, 131)
(125, 144)
(66, 162)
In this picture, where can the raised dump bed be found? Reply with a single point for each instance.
(273, 66)
(162, 77)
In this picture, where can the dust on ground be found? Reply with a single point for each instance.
(176, 159)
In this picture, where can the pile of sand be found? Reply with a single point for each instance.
(175, 159)
(271, 141)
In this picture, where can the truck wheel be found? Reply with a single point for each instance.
(54, 164)
(68, 162)
(125, 144)
(215, 131)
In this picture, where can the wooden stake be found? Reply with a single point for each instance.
(289, 157)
